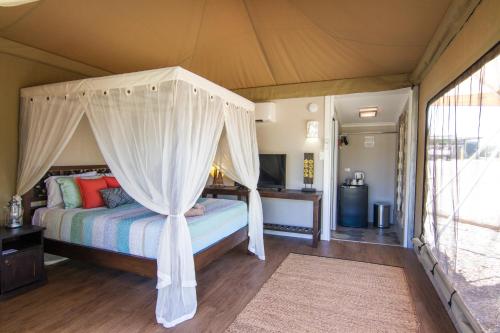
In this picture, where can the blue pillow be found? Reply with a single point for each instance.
(114, 197)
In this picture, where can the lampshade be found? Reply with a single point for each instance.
(12, 3)
(218, 177)
(213, 170)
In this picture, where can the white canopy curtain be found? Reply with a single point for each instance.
(238, 157)
(159, 142)
(158, 131)
(47, 125)
(461, 226)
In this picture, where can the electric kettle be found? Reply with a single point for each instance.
(359, 177)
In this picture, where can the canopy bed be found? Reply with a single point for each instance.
(221, 229)
(158, 131)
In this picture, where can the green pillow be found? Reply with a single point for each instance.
(70, 192)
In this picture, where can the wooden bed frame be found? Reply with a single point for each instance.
(37, 197)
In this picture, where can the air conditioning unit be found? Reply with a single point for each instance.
(265, 112)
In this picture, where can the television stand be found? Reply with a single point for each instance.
(315, 197)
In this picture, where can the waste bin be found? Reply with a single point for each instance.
(381, 214)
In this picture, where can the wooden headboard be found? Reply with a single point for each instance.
(37, 196)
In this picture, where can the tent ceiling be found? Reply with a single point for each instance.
(235, 43)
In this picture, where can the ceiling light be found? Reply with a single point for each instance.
(368, 112)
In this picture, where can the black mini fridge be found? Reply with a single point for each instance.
(353, 206)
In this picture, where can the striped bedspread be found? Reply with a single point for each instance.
(133, 229)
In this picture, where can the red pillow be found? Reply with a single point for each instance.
(89, 190)
(111, 181)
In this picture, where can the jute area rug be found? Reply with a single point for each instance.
(317, 294)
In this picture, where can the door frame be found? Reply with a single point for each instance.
(411, 167)
(330, 170)
(330, 153)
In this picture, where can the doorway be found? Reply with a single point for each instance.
(381, 149)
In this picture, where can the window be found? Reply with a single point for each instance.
(462, 187)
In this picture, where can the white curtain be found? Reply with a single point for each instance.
(47, 124)
(160, 141)
(238, 157)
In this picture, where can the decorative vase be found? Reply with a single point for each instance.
(308, 172)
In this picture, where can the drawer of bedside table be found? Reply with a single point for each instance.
(21, 268)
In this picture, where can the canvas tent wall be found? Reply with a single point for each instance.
(476, 37)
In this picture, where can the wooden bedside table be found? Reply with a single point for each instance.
(21, 260)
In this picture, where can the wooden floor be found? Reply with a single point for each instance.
(84, 298)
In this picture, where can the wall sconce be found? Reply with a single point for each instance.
(312, 129)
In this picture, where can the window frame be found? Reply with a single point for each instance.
(485, 58)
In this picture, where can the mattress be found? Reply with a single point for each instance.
(134, 229)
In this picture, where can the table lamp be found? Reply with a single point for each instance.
(218, 177)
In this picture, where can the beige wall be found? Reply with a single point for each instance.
(478, 35)
(82, 149)
(15, 73)
(288, 136)
(378, 164)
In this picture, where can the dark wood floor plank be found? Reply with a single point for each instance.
(83, 298)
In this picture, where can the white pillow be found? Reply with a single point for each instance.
(54, 195)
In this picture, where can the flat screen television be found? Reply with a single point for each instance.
(272, 171)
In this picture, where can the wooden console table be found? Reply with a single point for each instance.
(315, 197)
(215, 191)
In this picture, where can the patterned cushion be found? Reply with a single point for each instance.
(70, 192)
(114, 197)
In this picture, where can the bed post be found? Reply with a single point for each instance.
(28, 213)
